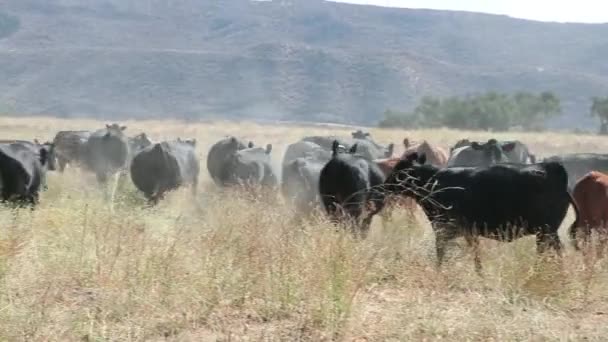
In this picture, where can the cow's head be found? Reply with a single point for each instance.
(492, 151)
(139, 142)
(114, 130)
(404, 178)
(460, 143)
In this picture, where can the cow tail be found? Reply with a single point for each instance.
(573, 228)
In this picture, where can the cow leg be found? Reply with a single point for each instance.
(546, 239)
(602, 239)
(387, 215)
(443, 234)
(62, 163)
(473, 242)
(195, 184)
(117, 178)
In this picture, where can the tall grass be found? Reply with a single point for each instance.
(229, 266)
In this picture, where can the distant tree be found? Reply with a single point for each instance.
(599, 108)
(489, 111)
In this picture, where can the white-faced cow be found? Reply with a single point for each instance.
(106, 152)
(165, 166)
(501, 202)
(466, 153)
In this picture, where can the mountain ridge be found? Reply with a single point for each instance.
(288, 60)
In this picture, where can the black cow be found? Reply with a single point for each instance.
(106, 152)
(249, 167)
(164, 167)
(70, 147)
(35, 146)
(22, 172)
(220, 153)
(579, 164)
(348, 186)
(500, 202)
(300, 183)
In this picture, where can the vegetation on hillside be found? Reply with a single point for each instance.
(489, 111)
(286, 60)
(8, 24)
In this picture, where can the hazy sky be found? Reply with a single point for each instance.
(586, 11)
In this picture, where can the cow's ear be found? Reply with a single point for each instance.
(353, 149)
(406, 143)
(122, 128)
(476, 146)
(250, 145)
(508, 147)
(268, 148)
(44, 156)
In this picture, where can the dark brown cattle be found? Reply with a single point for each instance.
(392, 202)
(435, 155)
(591, 196)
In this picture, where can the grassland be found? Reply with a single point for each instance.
(228, 266)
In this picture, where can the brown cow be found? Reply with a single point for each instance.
(387, 165)
(435, 155)
(591, 196)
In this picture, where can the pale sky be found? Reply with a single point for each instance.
(584, 11)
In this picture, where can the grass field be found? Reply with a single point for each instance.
(227, 266)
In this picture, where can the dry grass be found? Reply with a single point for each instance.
(225, 267)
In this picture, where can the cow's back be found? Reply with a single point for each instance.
(69, 144)
(155, 169)
(220, 153)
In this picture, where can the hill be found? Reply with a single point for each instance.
(304, 60)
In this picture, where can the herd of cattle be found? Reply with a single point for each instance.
(495, 189)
